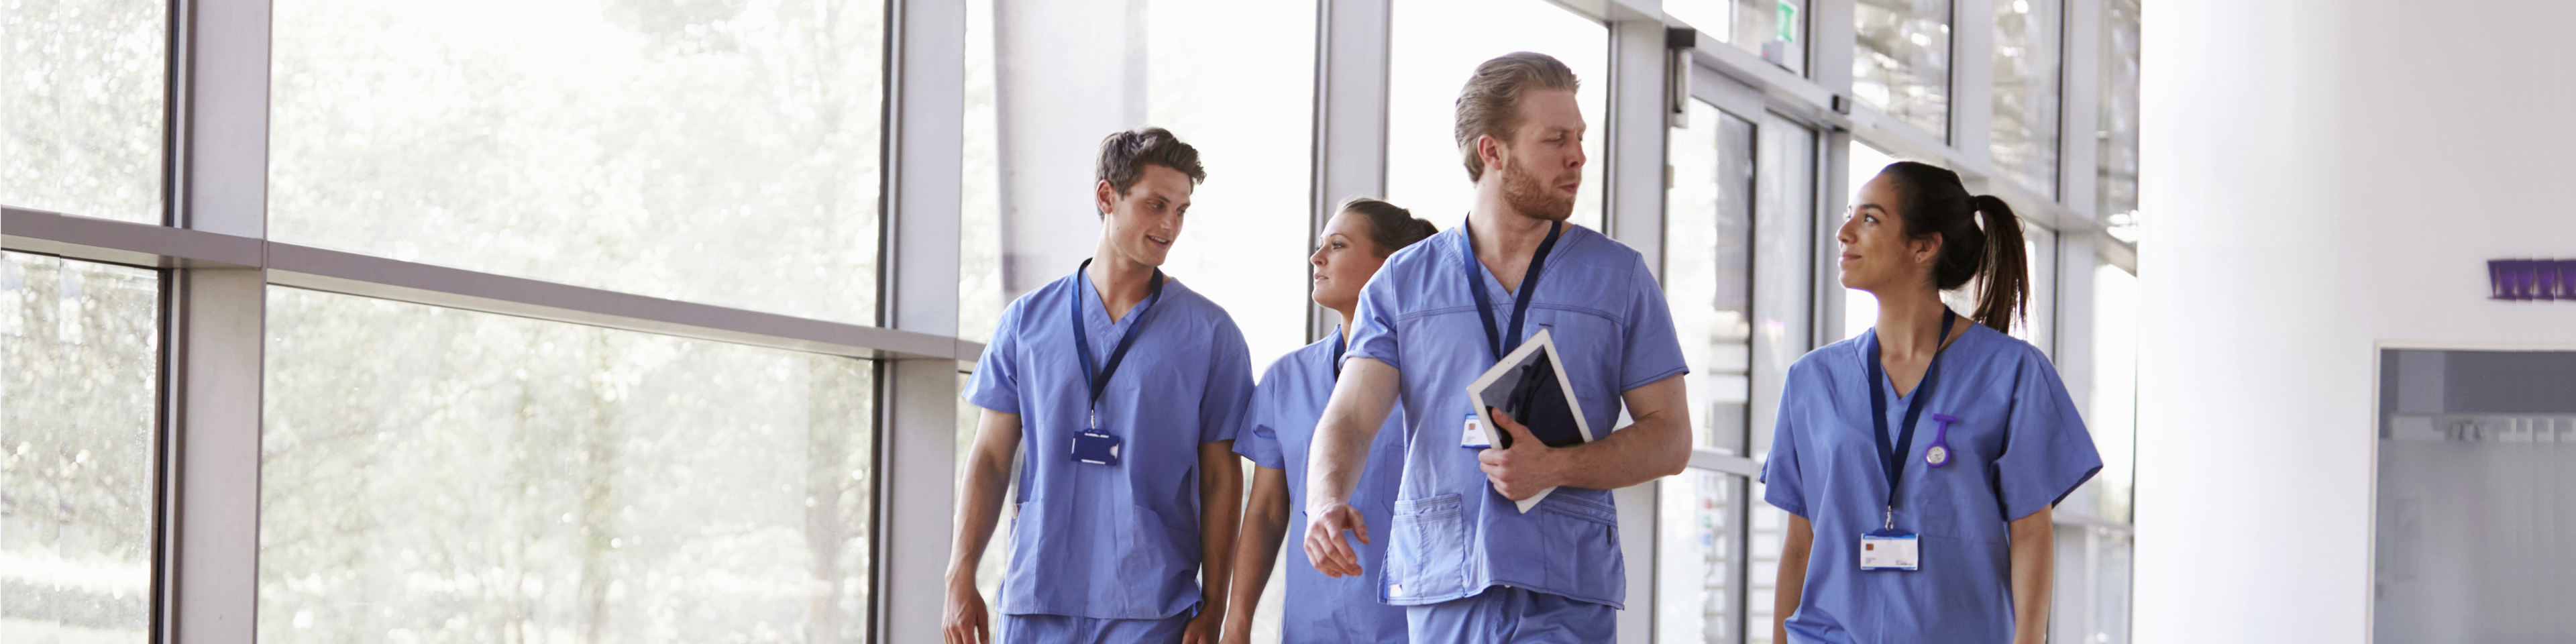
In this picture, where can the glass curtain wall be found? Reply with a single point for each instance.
(1736, 251)
(437, 475)
(2117, 193)
(1773, 29)
(718, 152)
(77, 449)
(1901, 61)
(1436, 47)
(83, 103)
(2026, 67)
(1047, 80)
(1708, 282)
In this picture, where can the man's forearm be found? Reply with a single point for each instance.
(1220, 514)
(979, 508)
(1359, 406)
(1649, 449)
(1256, 549)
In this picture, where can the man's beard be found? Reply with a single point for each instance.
(1523, 192)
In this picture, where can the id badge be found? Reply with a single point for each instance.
(1095, 447)
(1473, 434)
(1890, 550)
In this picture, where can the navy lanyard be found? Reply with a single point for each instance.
(1893, 456)
(1520, 300)
(1082, 339)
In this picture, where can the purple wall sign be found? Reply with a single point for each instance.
(2531, 279)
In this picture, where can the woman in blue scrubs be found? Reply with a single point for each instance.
(1281, 423)
(1919, 461)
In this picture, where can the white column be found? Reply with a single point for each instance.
(917, 437)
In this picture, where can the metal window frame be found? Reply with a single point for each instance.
(216, 264)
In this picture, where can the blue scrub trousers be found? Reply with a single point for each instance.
(1061, 629)
(1503, 614)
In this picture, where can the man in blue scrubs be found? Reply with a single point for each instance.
(1467, 562)
(1128, 387)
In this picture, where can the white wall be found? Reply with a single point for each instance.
(2319, 177)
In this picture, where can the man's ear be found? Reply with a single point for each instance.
(1104, 197)
(1489, 152)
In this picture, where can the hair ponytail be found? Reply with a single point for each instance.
(1934, 202)
(1390, 228)
(2006, 270)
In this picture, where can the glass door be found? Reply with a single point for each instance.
(1738, 228)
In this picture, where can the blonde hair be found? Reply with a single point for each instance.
(1490, 103)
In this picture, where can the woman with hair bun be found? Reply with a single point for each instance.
(1919, 461)
(1281, 424)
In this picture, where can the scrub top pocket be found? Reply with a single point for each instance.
(1429, 557)
(1583, 541)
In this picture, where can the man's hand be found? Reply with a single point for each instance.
(1203, 628)
(1324, 545)
(966, 622)
(1526, 469)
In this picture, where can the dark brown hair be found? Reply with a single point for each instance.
(1932, 201)
(1124, 155)
(1390, 227)
(1490, 104)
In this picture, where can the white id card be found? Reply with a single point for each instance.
(1473, 434)
(1888, 550)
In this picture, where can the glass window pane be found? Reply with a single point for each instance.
(1767, 530)
(2113, 415)
(84, 102)
(1783, 256)
(719, 152)
(1699, 556)
(1901, 61)
(2026, 80)
(436, 475)
(1046, 81)
(76, 449)
(1708, 266)
(1772, 29)
(2118, 165)
(1860, 309)
(1437, 45)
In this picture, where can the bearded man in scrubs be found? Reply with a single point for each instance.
(1128, 387)
(1468, 565)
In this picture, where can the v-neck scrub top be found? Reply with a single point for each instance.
(1453, 536)
(1280, 434)
(2018, 447)
(1111, 541)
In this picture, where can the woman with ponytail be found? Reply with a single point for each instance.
(1285, 409)
(1919, 461)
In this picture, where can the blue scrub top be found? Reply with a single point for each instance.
(1453, 535)
(1278, 435)
(2018, 447)
(1112, 541)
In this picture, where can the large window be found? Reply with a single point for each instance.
(81, 92)
(436, 475)
(2116, 200)
(1436, 45)
(1772, 29)
(1901, 61)
(719, 152)
(1736, 250)
(2026, 80)
(2094, 534)
(1045, 81)
(76, 449)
